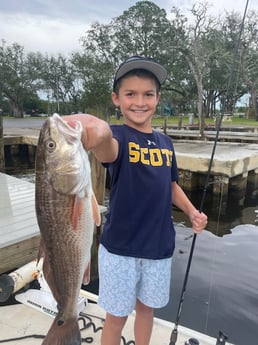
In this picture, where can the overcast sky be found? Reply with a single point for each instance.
(53, 26)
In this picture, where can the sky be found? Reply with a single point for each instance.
(56, 26)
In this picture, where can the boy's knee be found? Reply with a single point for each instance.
(142, 308)
(115, 322)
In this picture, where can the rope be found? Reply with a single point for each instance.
(97, 329)
(34, 336)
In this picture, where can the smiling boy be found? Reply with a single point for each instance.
(138, 238)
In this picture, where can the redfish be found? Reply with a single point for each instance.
(66, 210)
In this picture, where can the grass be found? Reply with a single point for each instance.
(174, 120)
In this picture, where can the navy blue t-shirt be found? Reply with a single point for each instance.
(139, 223)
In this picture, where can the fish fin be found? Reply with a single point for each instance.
(77, 210)
(63, 332)
(95, 208)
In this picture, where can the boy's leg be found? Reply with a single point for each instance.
(152, 292)
(143, 324)
(112, 330)
(117, 281)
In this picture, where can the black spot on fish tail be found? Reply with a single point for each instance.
(60, 322)
(63, 332)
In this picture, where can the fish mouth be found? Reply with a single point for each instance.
(70, 132)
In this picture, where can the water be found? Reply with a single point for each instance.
(222, 288)
(221, 293)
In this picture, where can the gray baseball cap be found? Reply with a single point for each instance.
(139, 62)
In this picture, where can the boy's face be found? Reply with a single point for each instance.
(137, 98)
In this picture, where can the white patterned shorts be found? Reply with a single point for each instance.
(123, 279)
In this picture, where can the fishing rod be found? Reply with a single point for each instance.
(174, 333)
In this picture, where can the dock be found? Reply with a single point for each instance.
(224, 136)
(19, 231)
(235, 164)
(21, 136)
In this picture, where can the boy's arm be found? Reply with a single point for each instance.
(179, 199)
(96, 136)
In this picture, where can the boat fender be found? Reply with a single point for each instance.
(192, 341)
(18, 279)
(6, 287)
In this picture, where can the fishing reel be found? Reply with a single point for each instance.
(222, 338)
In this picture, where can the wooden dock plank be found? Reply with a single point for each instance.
(17, 210)
(19, 232)
(18, 254)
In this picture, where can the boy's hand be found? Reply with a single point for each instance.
(199, 221)
(96, 136)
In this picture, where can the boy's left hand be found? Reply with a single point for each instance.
(199, 221)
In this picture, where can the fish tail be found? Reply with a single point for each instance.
(63, 332)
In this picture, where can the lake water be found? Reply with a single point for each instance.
(222, 289)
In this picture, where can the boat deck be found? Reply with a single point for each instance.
(21, 321)
(19, 243)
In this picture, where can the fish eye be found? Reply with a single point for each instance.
(51, 145)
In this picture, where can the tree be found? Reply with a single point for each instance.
(17, 76)
(197, 52)
(61, 83)
(140, 30)
(231, 80)
(195, 46)
(95, 81)
(249, 58)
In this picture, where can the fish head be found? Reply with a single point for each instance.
(61, 157)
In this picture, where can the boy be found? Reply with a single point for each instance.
(138, 238)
